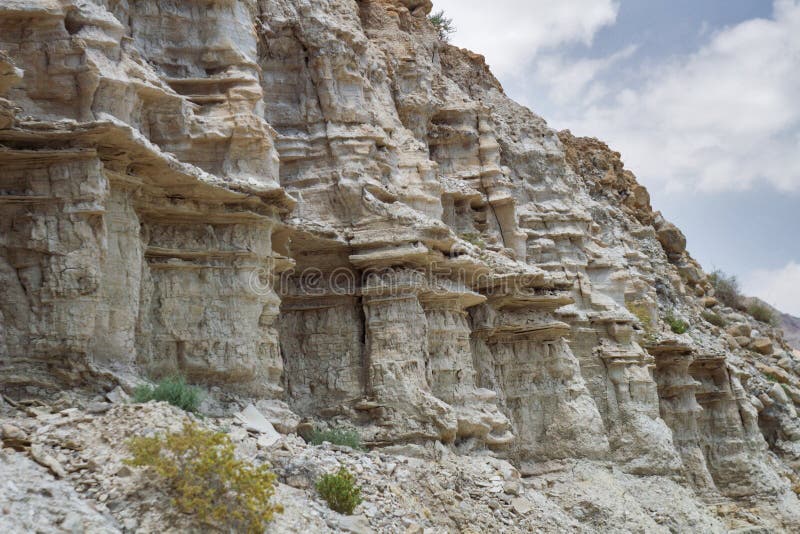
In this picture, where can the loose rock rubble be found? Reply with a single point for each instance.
(402, 494)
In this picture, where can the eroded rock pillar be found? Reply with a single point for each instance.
(398, 377)
(679, 408)
(453, 374)
(733, 447)
(641, 441)
(322, 338)
(543, 392)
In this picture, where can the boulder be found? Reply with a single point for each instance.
(118, 395)
(762, 345)
(766, 400)
(671, 238)
(254, 421)
(787, 364)
(14, 437)
(280, 415)
(739, 330)
(778, 394)
(353, 524)
(794, 394)
(709, 302)
(522, 505)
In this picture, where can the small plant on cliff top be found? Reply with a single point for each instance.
(762, 313)
(678, 326)
(337, 436)
(173, 390)
(726, 289)
(339, 491)
(206, 480)
(444, 25)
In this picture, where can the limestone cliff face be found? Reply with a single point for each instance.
(318, 201)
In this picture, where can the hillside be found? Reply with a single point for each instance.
(323, 210)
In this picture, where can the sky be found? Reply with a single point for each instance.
(701, 97)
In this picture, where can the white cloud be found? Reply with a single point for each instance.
(569, 79)
(779, 287)
(511, 32)
(723, 118)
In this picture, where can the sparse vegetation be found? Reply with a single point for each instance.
(207, 481)
(340, 491)
(443, 24)
(474, 239)
(726, 289)
(713, 318)
(762, 313)
(642, 312)
(337, 436)
(677, 325)
(173, 390)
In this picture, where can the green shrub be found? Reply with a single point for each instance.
(173, 390)
(726, 288)
(337, 436)
(206, 480)
(678, 326)
(444, 25)
(713, 318)
(762, 313)
(339, 491)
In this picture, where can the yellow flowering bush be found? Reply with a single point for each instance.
(206, 479)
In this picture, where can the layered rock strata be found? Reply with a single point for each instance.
(322, 203)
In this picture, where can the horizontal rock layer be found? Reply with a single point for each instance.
(321, 202)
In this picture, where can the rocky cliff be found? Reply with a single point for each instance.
(317, 202)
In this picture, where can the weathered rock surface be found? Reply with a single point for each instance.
(34, 501)
(321, 204)
(450, 493)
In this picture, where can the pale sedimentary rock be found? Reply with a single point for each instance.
(320, 202)
(121, 248)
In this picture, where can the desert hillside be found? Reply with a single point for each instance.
(328, 218)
